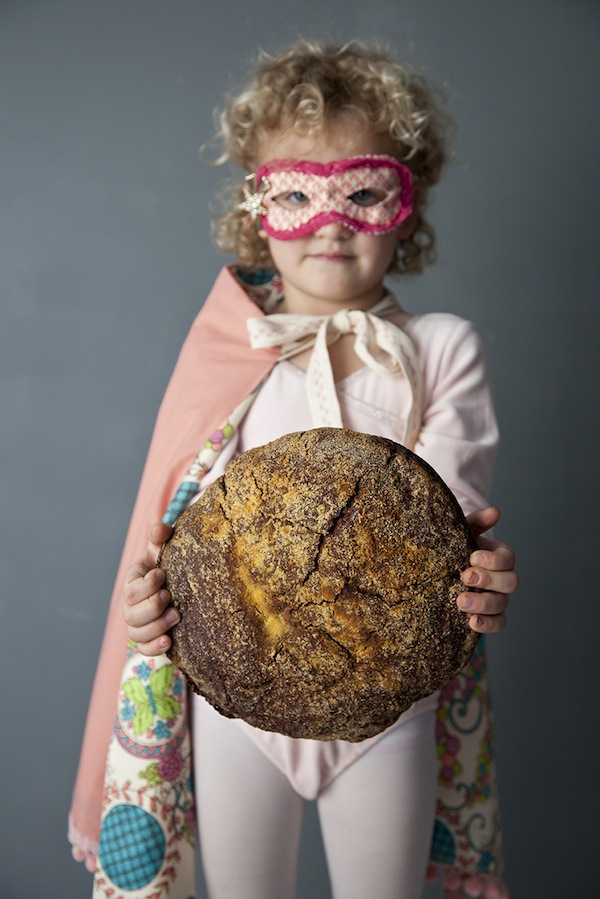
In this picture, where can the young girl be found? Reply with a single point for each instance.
(341, 146)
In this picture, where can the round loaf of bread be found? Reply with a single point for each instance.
(317, 583)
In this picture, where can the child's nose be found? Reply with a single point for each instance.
(335, 230)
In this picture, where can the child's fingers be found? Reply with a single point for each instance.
(482, 520)
(494, 555)
(155, 647)
(141, 583)
(152, 637)
(145, 605)
(498, 581)
(143, 579)
(147, 610)
(158, 534)
(487, 624)
(483, 603)
(488, 610)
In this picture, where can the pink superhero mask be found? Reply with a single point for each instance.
(296, 197)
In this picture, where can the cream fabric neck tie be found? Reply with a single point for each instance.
(381, 345)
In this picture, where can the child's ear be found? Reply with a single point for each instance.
(262, 234)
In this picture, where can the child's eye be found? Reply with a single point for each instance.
(293, 199)
(368, 196)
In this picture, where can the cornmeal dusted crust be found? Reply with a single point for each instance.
(316, 581)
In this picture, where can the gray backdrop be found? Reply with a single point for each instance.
(105, 258)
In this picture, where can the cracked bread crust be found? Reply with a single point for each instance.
(317, 583)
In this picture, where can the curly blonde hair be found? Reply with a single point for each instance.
(308, 85)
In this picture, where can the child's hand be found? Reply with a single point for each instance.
(145, 607)
(493, 572)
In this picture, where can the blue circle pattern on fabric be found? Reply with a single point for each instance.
(443, 849)
(132, 847)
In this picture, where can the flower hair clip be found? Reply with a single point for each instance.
(253, 196)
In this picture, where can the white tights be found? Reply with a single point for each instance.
(376, 816)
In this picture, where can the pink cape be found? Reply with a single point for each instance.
(216, 352)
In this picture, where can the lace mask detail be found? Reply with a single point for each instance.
(373, 194)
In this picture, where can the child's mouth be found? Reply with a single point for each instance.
(333, 257)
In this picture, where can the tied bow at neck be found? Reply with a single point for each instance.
(381, 345)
